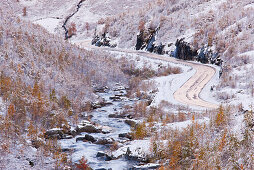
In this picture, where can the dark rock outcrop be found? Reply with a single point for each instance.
(103, 155)
(86, 138)
(184, 50)
(125, 135)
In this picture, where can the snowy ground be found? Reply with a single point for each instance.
(2, 107)
(210, 95)
(168, 85)
(49, 24)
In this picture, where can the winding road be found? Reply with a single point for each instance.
(189, 92)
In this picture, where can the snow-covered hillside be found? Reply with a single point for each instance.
(63, 101)
(45, 83)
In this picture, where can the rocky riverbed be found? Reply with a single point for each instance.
(104, 140)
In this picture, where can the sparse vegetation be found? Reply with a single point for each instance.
(45, 83)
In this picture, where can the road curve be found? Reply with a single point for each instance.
(189, 92)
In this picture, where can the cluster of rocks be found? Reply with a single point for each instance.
(102, 89)
(88, 127)
(204, 55)
(98, 141)
(68, 133)
(59, 133)
(184, 50)
(102, 40)
(100, 104)
(146, 40)
(87, 131)
(119, 94)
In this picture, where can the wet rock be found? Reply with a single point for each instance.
(116, 116)
(100, 154)
(125, 135)
(129, 116)
(112, 115)
(88, 129)
(90, 138)
(119, 95)
(107, 103)
(66, 150)
(136, 158)
(105, 141)
(105, 156)
(130, 122)
(80, 139)
(74, 132)
(101, 89)
(86, 138)
(100, 104)
(115, 98)
(86, 126)
(96, 105)
(105, 132)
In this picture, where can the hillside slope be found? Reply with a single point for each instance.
(45, 82)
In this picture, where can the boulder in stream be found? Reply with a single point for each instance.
(125, 135)
(105, 141)
(116, 116)
(103, 155)
(86, 138)
(115, 98)
(86, 126)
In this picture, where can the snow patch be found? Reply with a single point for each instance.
(49, 24)
(2, 107)
(137, 147)
(168, 85)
